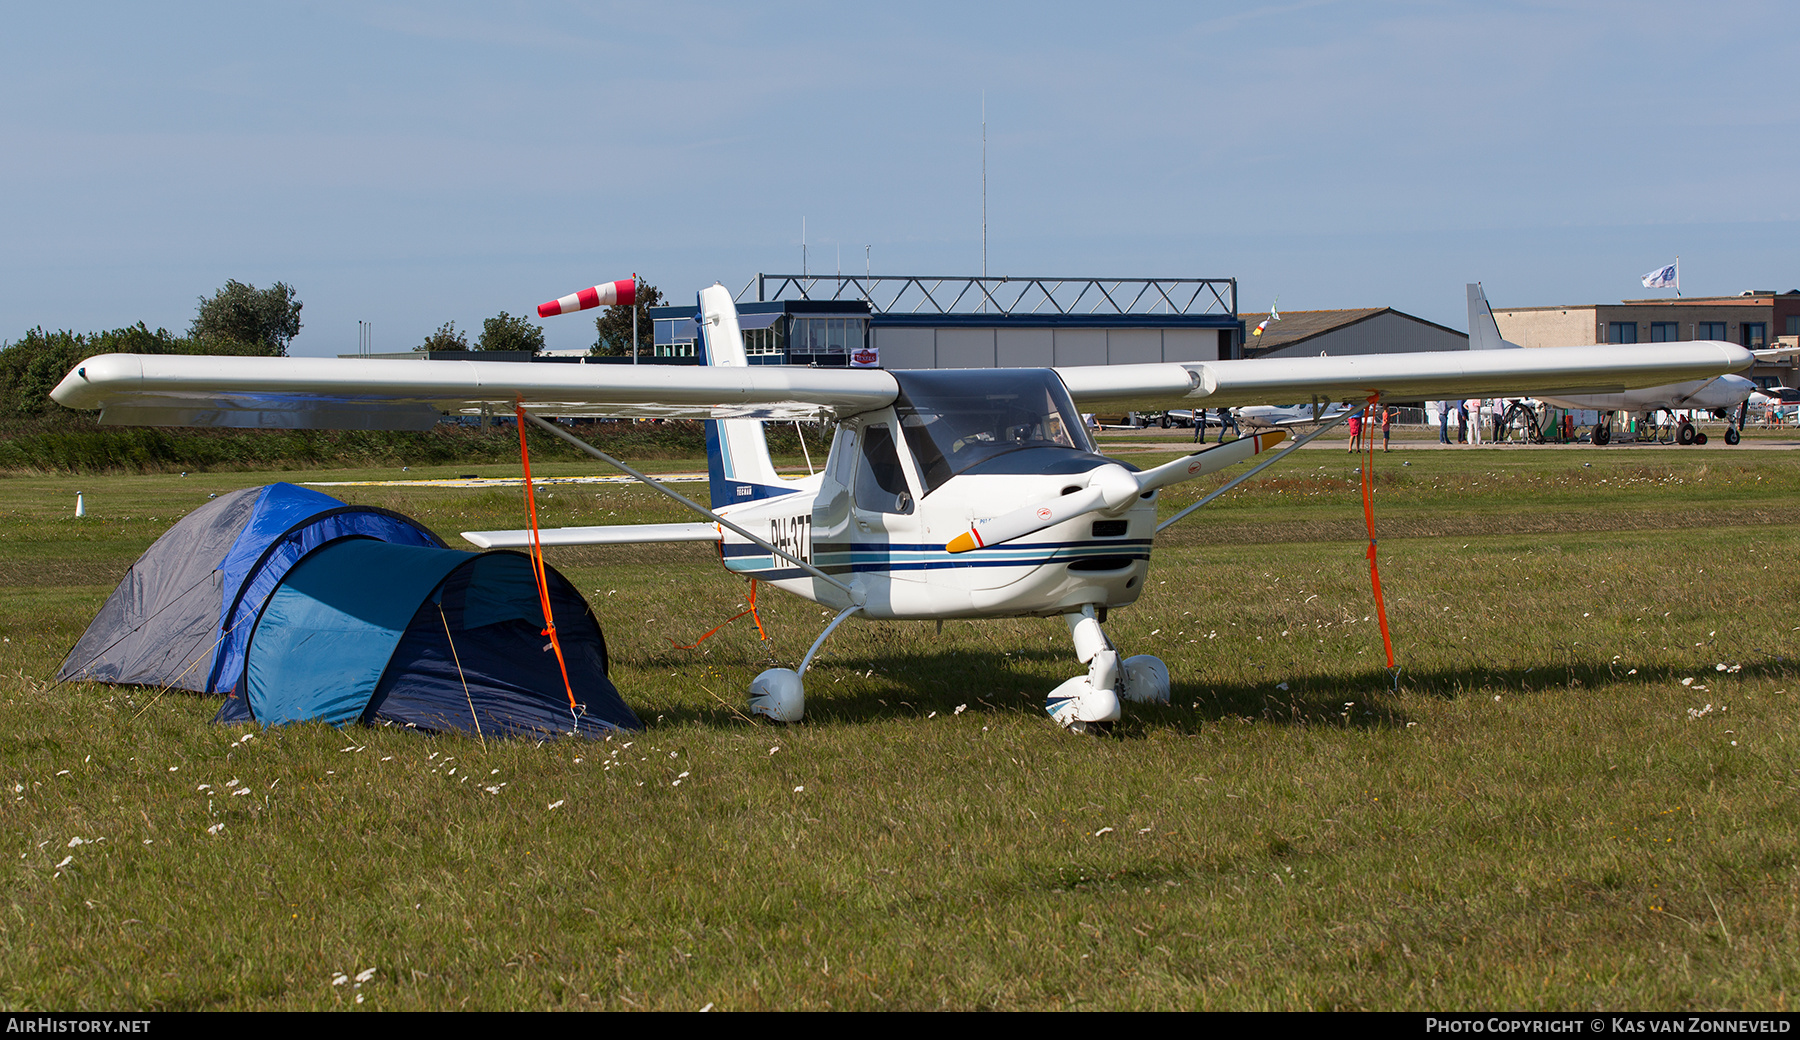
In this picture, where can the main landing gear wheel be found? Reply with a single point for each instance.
(1684, 434)
(1602, 433)
(1732, 436)
(779, 694)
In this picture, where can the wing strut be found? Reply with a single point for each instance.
(684, 500)
(1254, 470)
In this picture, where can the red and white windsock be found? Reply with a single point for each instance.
(622, 293)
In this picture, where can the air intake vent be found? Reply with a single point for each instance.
(1109, 528)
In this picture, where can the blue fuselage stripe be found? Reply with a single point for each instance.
(734, 549)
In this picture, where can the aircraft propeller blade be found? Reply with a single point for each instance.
(1208, 460)
(622, 293)
(1021, 522)
(1109, 488)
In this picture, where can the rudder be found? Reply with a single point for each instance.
(1484, 332)
(737, 454)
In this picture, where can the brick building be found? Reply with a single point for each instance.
(1756, 319)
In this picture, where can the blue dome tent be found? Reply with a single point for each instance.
(179, 617)
(373, 632)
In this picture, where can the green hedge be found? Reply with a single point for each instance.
(73, 444)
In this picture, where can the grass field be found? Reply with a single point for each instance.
(1580, 792)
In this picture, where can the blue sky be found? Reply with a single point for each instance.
(416, 164)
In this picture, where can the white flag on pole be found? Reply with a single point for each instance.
(1664, 277)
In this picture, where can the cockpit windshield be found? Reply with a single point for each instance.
(956, 419)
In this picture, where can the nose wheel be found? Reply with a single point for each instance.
(1091, 703)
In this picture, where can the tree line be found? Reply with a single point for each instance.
(240, 319)
(612, 331)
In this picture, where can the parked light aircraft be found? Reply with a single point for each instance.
(1780, 402)
(1272, 416)
(1259, 416)
(946, 494)
(1721, 394)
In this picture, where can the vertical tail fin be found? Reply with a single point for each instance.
(737, 454)
(1484, 332)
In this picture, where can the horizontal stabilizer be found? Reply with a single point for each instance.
(611, 534)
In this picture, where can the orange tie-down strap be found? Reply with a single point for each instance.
(537, 561)
(764, 636)
(1368, 492)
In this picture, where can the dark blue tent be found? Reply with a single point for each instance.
(368, 631)
(182, 613)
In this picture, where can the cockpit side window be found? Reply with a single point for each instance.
(880, 481)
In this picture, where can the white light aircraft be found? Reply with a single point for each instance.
(946, 493)
(1281, 416)
(1721, 394)
(1782, 401)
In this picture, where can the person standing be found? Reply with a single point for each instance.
(1355, 432)
(1443, 408)
(1227, 417)
(1387, 426)
(1462, 422)
(1499, 405)
(1474, 406)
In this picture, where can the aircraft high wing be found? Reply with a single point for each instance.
(346, 393)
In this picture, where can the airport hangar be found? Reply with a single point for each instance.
(908, 322)
(968, 321)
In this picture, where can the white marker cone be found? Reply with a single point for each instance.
(80, 506)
